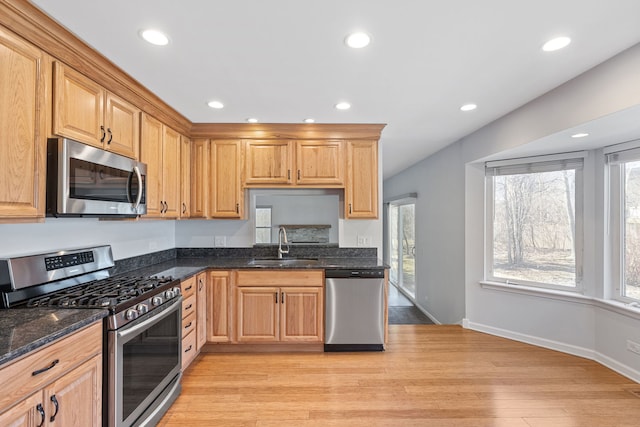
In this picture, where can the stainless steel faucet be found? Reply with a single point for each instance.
(282, 232)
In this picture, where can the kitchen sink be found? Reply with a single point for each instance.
(280, 262)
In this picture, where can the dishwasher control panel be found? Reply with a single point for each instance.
(356, 273)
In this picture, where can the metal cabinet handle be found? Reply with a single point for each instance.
(188, 307)
(288, 173)
(39, 371)
(298, 174)
(103, 134)
(282, 298)
(40, 409)
(188, 288)
(57, 406)
(184, 207)
(188, 349)
(200, 284)
(276, 294)
(237, 208)
(188, 325)
(110, 136)
(349, 207)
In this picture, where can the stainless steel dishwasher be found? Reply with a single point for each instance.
(354, 310)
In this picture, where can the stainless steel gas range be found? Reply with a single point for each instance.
(142, 333)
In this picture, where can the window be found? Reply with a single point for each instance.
(624, 179)
(534, 221)
(263, 224)
(402, 245)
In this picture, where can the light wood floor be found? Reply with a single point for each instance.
(429, 376)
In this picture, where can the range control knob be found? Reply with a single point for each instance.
(131, 314)
(169, 294)
(142, 309)
(176, 290)
(156, 301)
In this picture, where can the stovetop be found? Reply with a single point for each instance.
(114, 293)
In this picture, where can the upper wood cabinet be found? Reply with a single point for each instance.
(185, 177)
(160, 150)
(319, 163)
(199, 177)
(361, 190)
(226, 195)
(84, 111)
(22, 128)
(268, 162)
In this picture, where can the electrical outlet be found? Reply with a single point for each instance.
(633, 347)
(220, 241)
(361, 241)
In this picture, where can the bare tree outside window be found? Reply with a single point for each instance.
(631, 281)
(534, 227)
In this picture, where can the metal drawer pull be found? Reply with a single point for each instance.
(189, 349)
(187, 288)
(188, 325)
(40, 409)
(188, 307)
(55, 403)
(39, 371)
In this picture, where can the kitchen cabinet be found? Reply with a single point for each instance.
(185, 177)
(317, 163)
(23, 150)
(280, 306)
(268, 162)
(226, 194)
(361, 190)
(218, 306)
(160, 150)
(188, 288)
(201, 311)
(320, 163)
(199, 177)
(59, 385)
(86, 112)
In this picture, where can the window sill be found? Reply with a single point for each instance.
(610, 305)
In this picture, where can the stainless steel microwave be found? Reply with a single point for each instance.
(87, 181)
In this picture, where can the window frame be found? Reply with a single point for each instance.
(555, 162)
(616, 156)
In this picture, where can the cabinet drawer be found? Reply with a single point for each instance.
(188, 324)
(280, 278)
(188, 306)
(188, 349)
(48, 364)
(188, 287)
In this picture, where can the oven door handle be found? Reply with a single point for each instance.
(140, 189)
(133, 330)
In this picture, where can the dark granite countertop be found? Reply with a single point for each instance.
(182, 268)
(24, 330)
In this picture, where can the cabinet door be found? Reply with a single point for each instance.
(268, 162)
(123, 127)
(151, 154)
(22, 128)
(257, 314)
(217, 306)
(78, 106)
(361, 191)
(319, 163)
(226, 195)
(199, 177)
(185, 177)
(29, 412)
(301, 314)
(76, 398)
(201, 310)
(171, 172)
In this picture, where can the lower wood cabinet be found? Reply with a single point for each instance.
(218, 306)
(66, 389)
(291, 312)
(188, 288)
(201, 310)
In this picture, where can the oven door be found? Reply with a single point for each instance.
(144, 364)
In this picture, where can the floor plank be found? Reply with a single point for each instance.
(430, 375)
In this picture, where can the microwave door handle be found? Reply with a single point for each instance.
(140, 189)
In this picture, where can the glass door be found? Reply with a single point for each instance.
(402, 245)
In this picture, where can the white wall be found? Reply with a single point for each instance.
(128, 238)
(580, 325)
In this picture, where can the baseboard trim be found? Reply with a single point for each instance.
(610, 363)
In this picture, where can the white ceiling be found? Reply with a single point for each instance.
(284, 60)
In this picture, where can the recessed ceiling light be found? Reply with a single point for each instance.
(155, 37)
(343, 105)
(252, 120)
(309, 120)
(555, 44)
(468, 107)
(357, 40)
(215, 104)
(579, 135)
